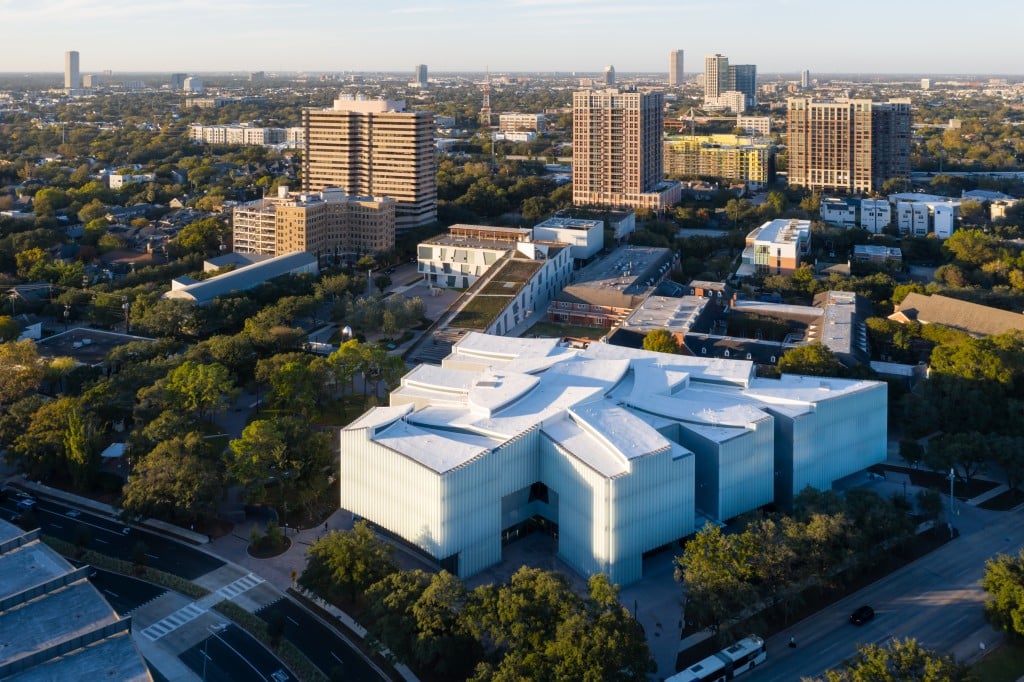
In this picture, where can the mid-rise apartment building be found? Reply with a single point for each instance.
(848, 145)
(374, 148)
(326, 223)
(617, 155)
(515, 121)
(729, 157)
(238, 133)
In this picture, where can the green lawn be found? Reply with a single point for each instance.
(480, 312)
(1005, 664)
(556, 330)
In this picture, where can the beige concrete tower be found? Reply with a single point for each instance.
(374, 148)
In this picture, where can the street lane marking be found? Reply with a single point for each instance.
(237, 587)
(112, 594)
(102, 541)
(337, 659)
(292, 620)
(185, 614)
(152, 556)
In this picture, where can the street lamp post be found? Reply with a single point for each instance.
(952, 504)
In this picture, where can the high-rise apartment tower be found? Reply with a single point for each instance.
(716, 76)
(374, 148)
(617, 152)
(675, 68)
(72, 77)
(848, 145)
(421, 75)
(609, 76)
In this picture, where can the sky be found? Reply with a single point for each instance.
(863, 36)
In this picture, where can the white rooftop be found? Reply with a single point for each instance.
(603, 404)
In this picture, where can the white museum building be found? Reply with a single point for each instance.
(621, 450)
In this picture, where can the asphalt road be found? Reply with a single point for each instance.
(115, 539)
(936, 600)
(319, 643)
(124, 594)
(232, 655)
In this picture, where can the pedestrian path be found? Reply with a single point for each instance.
(191, 611)
(988, 495)
(169, 624)
(243, 584)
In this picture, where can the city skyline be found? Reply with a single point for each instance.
(517, 35)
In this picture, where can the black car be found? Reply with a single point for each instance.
(862, 615)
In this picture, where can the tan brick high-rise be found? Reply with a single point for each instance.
(374, 148)
(617, 154)
(849, 145)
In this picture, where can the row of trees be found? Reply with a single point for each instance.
(776, 560)
(532, 627)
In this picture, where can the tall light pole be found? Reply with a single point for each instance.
(952, 504)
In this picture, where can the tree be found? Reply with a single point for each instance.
(929, 504)
(80, 448)
(382, 282)
(1004, 582)
(257, 456)
(898, 661)
(43, 448)
(177, 480)
(9, 329)
(22, 371)
(661, 341)
(1007, 453)
(344, 564)
(288, 452)
(200, 387)
(392, 621)
(601, 642)
(201, 237)
(717, 571)
(813, 359)
(966, 452)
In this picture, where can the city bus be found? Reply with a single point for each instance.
(731, 661)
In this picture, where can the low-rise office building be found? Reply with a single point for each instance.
(458, 259)
(203, 292)
(622, 451)
(585, 237)
(520, 122)
(606, 291)
(326, 223)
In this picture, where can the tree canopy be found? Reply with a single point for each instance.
(661, 341)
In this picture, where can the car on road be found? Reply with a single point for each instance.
(862, 615)
(73, 513)
(26, 503)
